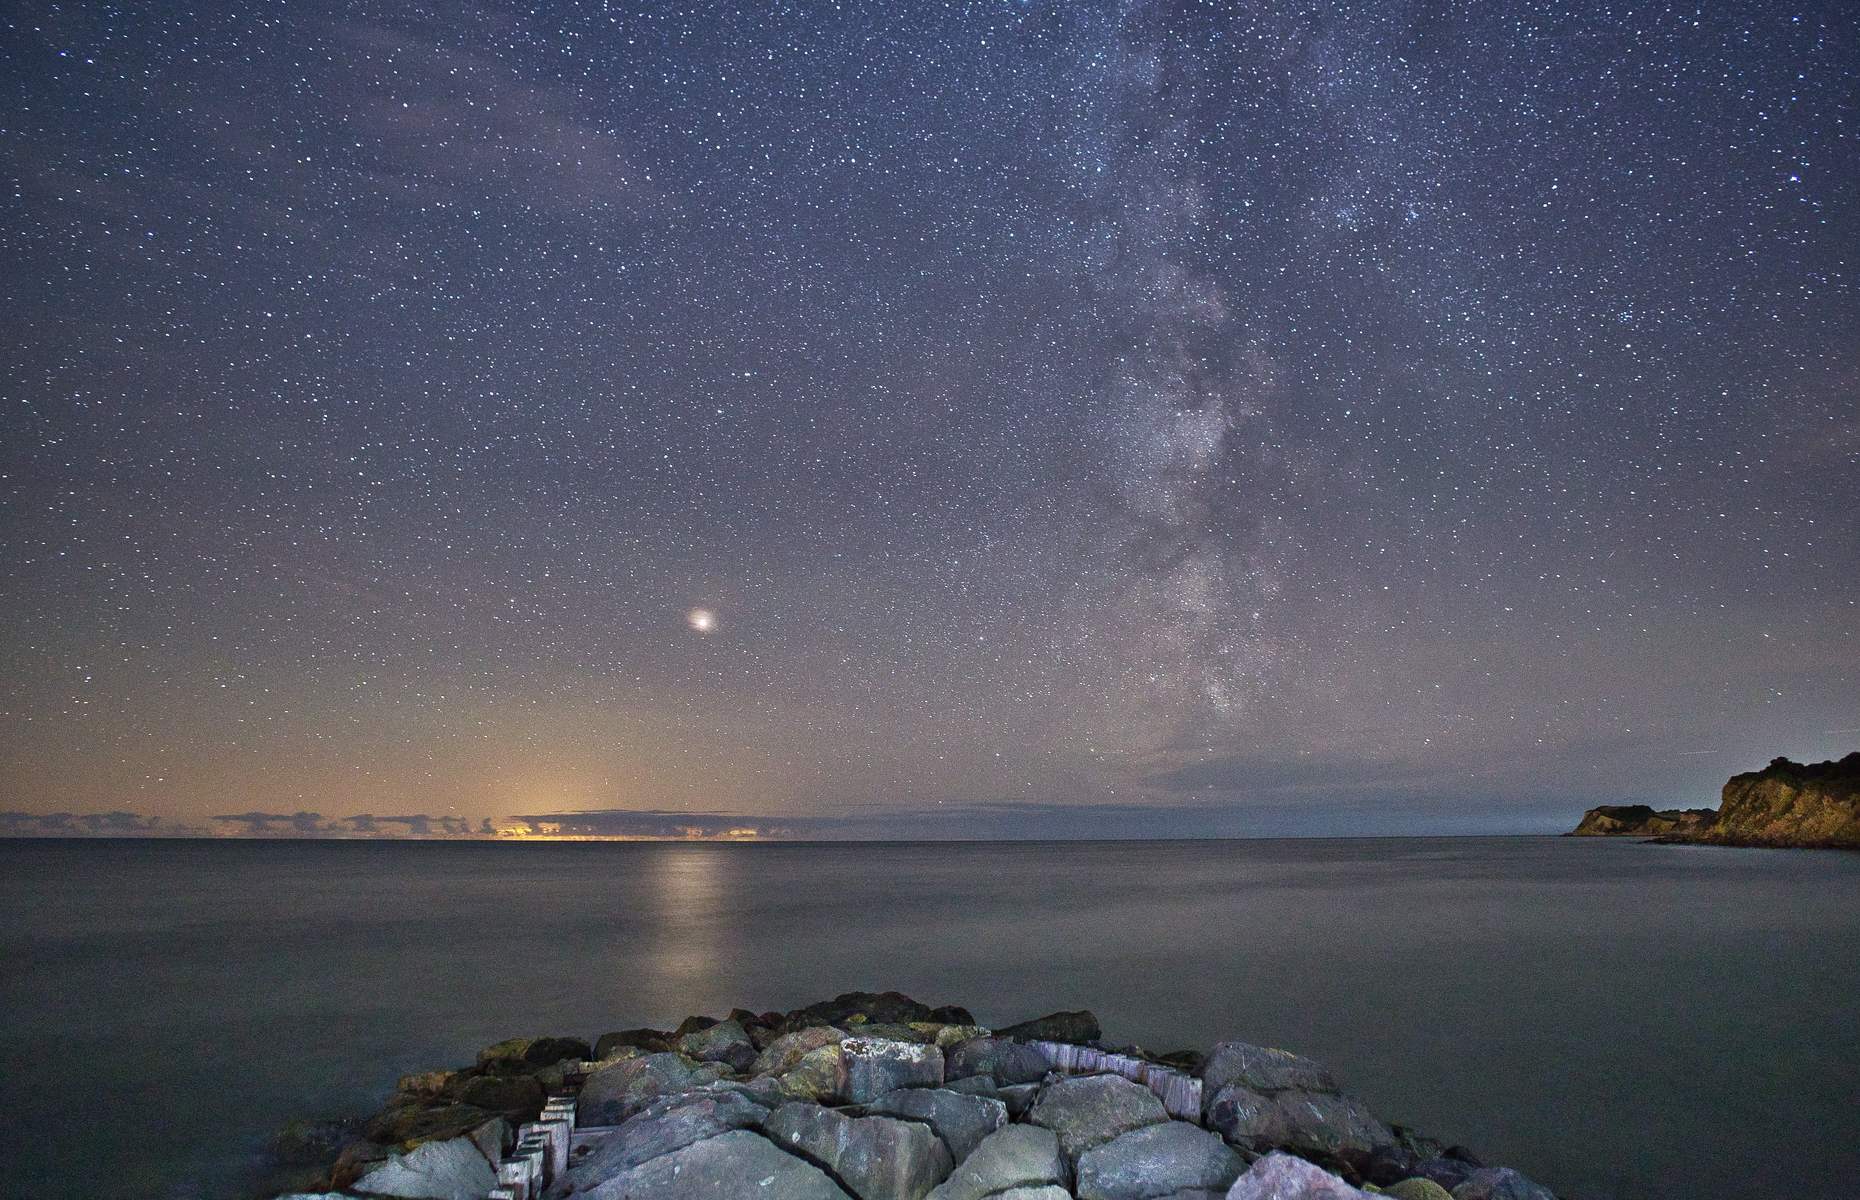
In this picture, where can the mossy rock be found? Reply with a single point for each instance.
(407, 1125)
(650, 1041)
(522, 1056)
(1417, 1189)
(518, 1096)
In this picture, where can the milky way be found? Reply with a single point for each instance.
(1146, 418)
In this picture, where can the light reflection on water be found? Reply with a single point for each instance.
(1622, 1020)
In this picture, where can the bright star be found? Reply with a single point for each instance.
(701, 619)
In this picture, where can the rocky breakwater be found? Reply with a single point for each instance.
(877, 1097)
(1785, 804)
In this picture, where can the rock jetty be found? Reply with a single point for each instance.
(874, 1096)
(1785, 804)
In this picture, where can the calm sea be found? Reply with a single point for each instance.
(1618, 1020)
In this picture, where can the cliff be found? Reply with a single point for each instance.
(1638, 820)
(1791, 804)
(1785, 804)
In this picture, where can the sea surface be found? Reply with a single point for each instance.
(1616, 1019)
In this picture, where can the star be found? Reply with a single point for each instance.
(701, 619)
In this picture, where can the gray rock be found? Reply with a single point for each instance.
(1262, 1069)
(449, 1170)
(1089, 1110)
(962, 1121)
(785, 1051)
(878, 1158)
(1001, 1059)
(1500, 1183)
(663, 1126)
(1155, 1161)
(1312, 1122)
(1449, 1173)
(614, 1093)
(1020, 1156)
(1019, 1097)
(1048, 1191)
(1282, 1177)
(738, 1165)
(493, 1138)
(870, 1067)
(726, 1042)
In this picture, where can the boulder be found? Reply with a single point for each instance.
(817, 1076)
(952, 1014)
(652, 1041)
(738, 1165)
(1019, 1097)
(1500, 1183)
(878, 1158)
(962, 1121)
(899, 1033)
(1089, 1110)
(313, 1143)
(426, 1084)
(517, 1096)
(448, 1170)
(1262, 1069)
(1448, 1171)
(616, 1092)
(1001, 1059)
(1155, 1161)
(407, 1125)
(1309, 1122)
(1047, 1191)
(1020, 1156)
(785, 1051)
(726, 1042)
(891, 1008)
(523, 1055)
(1417, 1189)
(356, 1160)
(951, 1035)
(691, 1025)
(870, 1067)
(1282, 1177)
(1079, 1026)
(493, 1138)
(665, 1125)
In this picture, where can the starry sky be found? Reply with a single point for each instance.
(1073, 419)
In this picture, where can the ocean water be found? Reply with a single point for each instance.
(1618, 1020)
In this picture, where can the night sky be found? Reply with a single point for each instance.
(1074, 419)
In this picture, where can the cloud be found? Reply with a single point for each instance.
(444, 124)
(421, 825)
(1251, 774)
(117, 823)
(264, 822)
